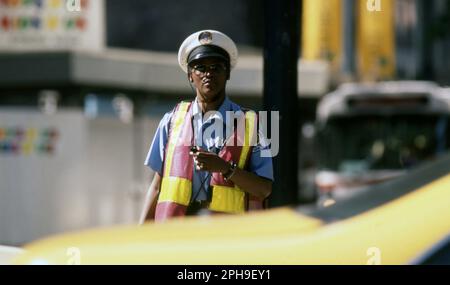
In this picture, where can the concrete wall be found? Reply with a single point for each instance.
(94, 177)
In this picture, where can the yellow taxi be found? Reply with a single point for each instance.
(403, 221)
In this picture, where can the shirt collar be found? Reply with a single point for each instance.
(224, 107)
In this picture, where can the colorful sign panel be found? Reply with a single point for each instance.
(51, 25)
(28, 140)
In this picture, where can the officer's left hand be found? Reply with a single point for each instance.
(209, 161)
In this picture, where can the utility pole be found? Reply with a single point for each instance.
(281, 53)
(423, 40)
(348, 61)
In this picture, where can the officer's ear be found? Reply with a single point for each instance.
(189, 75)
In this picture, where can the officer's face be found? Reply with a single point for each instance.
(209, 76)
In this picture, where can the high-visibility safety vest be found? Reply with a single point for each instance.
(176, 185)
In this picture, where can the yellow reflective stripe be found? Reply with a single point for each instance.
(250, 118)
(175, 189)
(232, 199)
(180, 114)
(227, 199)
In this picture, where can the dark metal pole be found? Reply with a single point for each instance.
(348, 61)
(424, 40)
(281, 52)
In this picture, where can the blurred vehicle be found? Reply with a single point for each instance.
(402, 221)
(369, 133)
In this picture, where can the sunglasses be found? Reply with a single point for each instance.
(201, 69)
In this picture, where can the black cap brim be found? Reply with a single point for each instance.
(208, 51)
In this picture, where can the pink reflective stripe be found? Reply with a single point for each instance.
(165, 210)
(182, 163)
(176, 126)
(228, 153)
(255, 203)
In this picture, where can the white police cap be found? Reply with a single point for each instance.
(204, 38)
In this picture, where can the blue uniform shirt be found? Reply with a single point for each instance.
(261, 166)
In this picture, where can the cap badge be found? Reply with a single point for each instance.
(205, 38)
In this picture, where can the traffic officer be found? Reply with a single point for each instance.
(209, 174)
